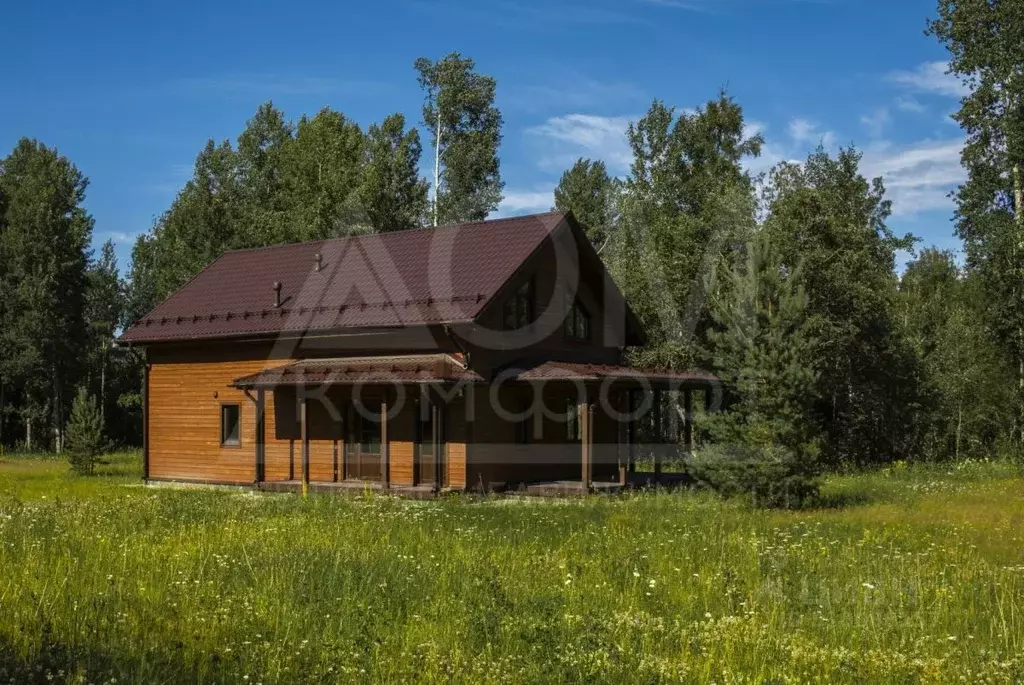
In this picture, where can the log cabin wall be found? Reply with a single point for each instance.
(184, 418)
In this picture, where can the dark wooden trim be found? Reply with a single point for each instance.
(304, 434)
(688, 420)
(586, 417)
(658, 434)
(261, 436)
(385, 451)
(145, 416)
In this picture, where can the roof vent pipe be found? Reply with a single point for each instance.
(277, 294)
(319, 262)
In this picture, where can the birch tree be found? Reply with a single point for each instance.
(465, 129)
(985, 39)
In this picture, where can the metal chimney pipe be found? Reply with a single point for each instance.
(277, 294)
(319, 262)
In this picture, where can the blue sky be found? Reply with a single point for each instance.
(131, 91)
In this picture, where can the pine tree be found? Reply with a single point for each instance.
(85, 442)
(465, 127)
(767, 441)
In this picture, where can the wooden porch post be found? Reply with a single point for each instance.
(631, 430)
(145, 419)
(586, 429)
(688, 420)
(657, 435)
(435, 419)
(304, 434)
(261, 436)
(623, 437)
(384, 451)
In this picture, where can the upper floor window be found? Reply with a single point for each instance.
(518, 310)
(577, 322)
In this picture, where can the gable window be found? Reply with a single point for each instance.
(577, 321)
(230, 425)
(518, 310)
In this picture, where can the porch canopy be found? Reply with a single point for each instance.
(430, 368)
(605, 373)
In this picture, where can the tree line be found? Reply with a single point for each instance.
(785, 284)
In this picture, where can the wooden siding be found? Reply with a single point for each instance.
(184, 422)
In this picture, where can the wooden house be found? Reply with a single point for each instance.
(475, 356)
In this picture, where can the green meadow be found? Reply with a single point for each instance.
(913, 574)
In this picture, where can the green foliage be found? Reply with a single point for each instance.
(985, 39)
(764, 354)
(85, 442)
(827, 220)
(465, 128)
(392, 193)
(767, 476)
(591, 195)
(43, 249)
(766, 438)
(971, 387)
(686, 202)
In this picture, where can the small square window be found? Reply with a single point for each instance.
(230, 425)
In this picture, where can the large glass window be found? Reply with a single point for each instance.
(230, 425)
(369, 435)
(518, 310)
(425, 426)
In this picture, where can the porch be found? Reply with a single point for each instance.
(423, 425)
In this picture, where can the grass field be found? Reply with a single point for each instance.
(917, 575)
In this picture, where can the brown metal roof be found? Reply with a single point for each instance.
(569, 371)
(403, 278)
(351, 370)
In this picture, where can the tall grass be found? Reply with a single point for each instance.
(104, 580)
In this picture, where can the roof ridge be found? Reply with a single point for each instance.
(382, 234)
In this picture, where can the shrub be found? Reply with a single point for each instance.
(85, 441)
(768, 476)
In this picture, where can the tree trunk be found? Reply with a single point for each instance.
(103, 386)
(56, 411)
(1018, 217)
(437, 164)
(1, 417)
(28, 433)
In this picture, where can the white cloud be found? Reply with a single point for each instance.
(574, 135)
(805, 131)
(930, 77)
(918, 176)
(525, 202)
(877, 121)
(906, 103)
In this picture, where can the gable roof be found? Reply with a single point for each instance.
(404, 278)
